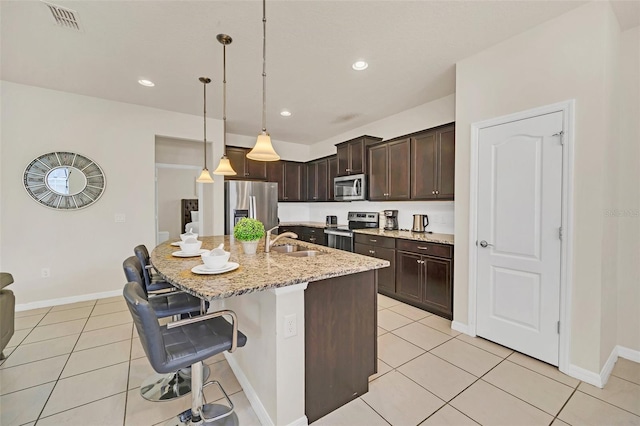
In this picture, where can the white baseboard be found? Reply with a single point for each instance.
(250, 392)
(462, 328)
(67, 300)
(584, 375)
(600, 380)
(630, 354)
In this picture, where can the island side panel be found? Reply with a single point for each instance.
(340, 341)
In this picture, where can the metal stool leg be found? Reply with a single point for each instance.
(166, 387)
(200, 412)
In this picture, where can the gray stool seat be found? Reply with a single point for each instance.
(186, 343)
(164, 304)
(153, 282)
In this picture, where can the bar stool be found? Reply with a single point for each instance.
(186, 343)
(165, 387)
(153, 282)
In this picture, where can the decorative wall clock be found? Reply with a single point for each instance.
(64, 180)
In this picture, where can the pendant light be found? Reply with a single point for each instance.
(263, 150)
(224, 167)
(205, 177)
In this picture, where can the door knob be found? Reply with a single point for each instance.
(483, 244)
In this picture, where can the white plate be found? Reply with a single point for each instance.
(202, 270)
(180, 253)
(176, 244)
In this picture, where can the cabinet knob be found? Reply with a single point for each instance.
(246, 174)
(347, 170)
(437, 192)
(373, 241)
(423, 248)
(372, 251)
(418, 261)
(433, 192)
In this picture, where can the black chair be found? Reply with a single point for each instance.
(184, 343)
(153, 282)
(165, 387)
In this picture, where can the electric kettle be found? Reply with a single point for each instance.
(420, 222)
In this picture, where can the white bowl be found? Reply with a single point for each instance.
(187, 235)
(190, 246)
(215, 259)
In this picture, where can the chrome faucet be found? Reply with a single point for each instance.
(269, 242)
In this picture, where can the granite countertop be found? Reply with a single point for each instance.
(408, 235)
(257, 272)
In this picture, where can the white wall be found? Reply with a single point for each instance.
(174, 184)
(565, 58)
(629, 192)
(440, 212)
(431, 114)
(84, 249)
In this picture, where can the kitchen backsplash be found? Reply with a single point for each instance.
(441, 213)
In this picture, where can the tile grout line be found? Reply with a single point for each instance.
(81, 405)
(607, 402)
(368, 405)
(564, 405)
(65, 366)
(543, 375)
(126, 391)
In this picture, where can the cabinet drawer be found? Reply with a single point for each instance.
(431, 249)
(375, 240)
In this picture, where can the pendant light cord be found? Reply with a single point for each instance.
(264, 66)
(224, 99)
(204, 87)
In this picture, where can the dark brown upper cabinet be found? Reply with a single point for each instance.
(293, 181)
(317, 180)
(332, 166)
(433, 164)
(352, 155)
(275, 173)
(245, 168)
(388, 166)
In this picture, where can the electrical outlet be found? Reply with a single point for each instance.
(290, 325)
(120, 217)
(45, 272)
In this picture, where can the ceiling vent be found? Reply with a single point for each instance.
(65, 18)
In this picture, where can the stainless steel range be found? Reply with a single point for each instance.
(341, 237)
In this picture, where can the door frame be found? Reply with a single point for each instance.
(566, 254)
(198, 188)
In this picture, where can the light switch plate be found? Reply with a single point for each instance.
(120, 217)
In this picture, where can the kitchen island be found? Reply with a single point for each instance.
(310, 323)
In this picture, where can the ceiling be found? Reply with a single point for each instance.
(411, 47)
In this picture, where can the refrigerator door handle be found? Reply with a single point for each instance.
(252, 207)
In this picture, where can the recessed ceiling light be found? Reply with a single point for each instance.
(147, 83)
(285, 113)
(359, 65)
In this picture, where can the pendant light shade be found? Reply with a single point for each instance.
(263, 150)
(224, 167)
(205, 177)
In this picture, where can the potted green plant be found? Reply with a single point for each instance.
(248, 231)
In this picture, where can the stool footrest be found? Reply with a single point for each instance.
(213, 412)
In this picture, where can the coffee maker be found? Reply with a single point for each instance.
(391, 220)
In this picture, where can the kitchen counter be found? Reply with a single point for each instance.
(257, 272)
(408, 235)
(308, 320)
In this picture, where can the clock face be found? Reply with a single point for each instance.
(64, 181)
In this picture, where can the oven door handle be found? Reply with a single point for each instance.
(341, 233)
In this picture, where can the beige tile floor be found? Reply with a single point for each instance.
(82, 364)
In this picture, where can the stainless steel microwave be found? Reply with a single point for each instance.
(350, 188)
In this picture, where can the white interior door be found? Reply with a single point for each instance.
(519, 241)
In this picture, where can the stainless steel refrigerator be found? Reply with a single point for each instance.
(257, 200)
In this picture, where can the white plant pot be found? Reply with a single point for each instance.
(250, 247)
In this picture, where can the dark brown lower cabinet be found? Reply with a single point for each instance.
(340, 323)
(386, 276)
(425, 281)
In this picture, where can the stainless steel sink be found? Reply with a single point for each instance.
(288, 248)
(305, 253)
